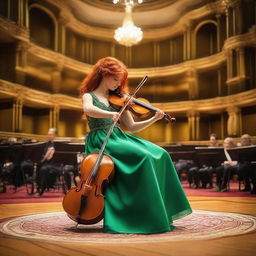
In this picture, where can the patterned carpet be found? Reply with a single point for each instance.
(56, 227)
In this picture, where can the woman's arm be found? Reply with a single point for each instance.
(91, 110)
(133, 126)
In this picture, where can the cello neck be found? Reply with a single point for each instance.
(100, 156)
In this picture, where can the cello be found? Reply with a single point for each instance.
(85, 203)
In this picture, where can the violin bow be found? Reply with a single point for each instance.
(98, 161)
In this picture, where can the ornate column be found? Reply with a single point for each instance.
(229, 64)
(156, 54)
(233, 125)
(23, 12)
(234, 21)
(128, 56)
(62, 38)
(17, 115)
(184, 43)
(57, 78)
(62, 24)
(83, 50)
(172, 52)
(193, 124)
(225, 4)
(192, 80)
(72, 45)
(20, 12)
(112, 50)
(189, 40)
(168, 133)
(54, 117)
(88, 51)
(241, 63)
(198, 126)
(219, 82)
(21, 62)
(239, 18)
(218, 16)
(222, 123)
(26, 13)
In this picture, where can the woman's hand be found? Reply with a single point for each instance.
(159, 115)
(116, 116)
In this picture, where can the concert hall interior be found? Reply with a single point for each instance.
(200, 60)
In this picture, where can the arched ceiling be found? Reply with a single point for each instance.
(149, 14)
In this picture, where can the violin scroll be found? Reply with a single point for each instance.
(169, 118)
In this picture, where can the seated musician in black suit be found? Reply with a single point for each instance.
(7, 174)
(248, 168)
(204, 174)
(71, 173)
(47, 173)
(213, 141)
(228, 167)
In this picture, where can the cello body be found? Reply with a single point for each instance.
(85, 203)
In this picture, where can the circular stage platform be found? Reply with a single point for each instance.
(57, 227)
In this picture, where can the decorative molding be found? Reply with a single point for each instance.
(14, 30)
(42, 138)
(207, 63)
(59, 59)
(236, 80)
(243, 40)
(212, 106)
(39, 99)
(151, 5)
(201, 64)
(37, 137)
(148, 34)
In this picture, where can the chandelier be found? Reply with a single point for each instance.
(128, 34)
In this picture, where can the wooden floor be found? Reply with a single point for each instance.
(244, 245)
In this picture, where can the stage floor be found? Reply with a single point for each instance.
(232, 245)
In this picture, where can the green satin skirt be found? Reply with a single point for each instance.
(145, 196)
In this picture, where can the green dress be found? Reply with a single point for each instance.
(145, 195)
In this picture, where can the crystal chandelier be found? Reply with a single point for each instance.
(128, 34)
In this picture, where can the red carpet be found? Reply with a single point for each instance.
(20, 196)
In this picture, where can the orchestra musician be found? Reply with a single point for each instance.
(46, 172)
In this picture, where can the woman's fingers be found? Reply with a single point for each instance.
(159, 114)
(116, 116)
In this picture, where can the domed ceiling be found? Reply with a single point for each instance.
(149, 14)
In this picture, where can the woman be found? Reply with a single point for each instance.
(145, 195)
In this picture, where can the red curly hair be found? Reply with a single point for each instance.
(107, 66)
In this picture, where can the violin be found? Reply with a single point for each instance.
(140, 107)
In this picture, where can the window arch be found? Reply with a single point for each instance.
(42, 25)
(206, 39)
